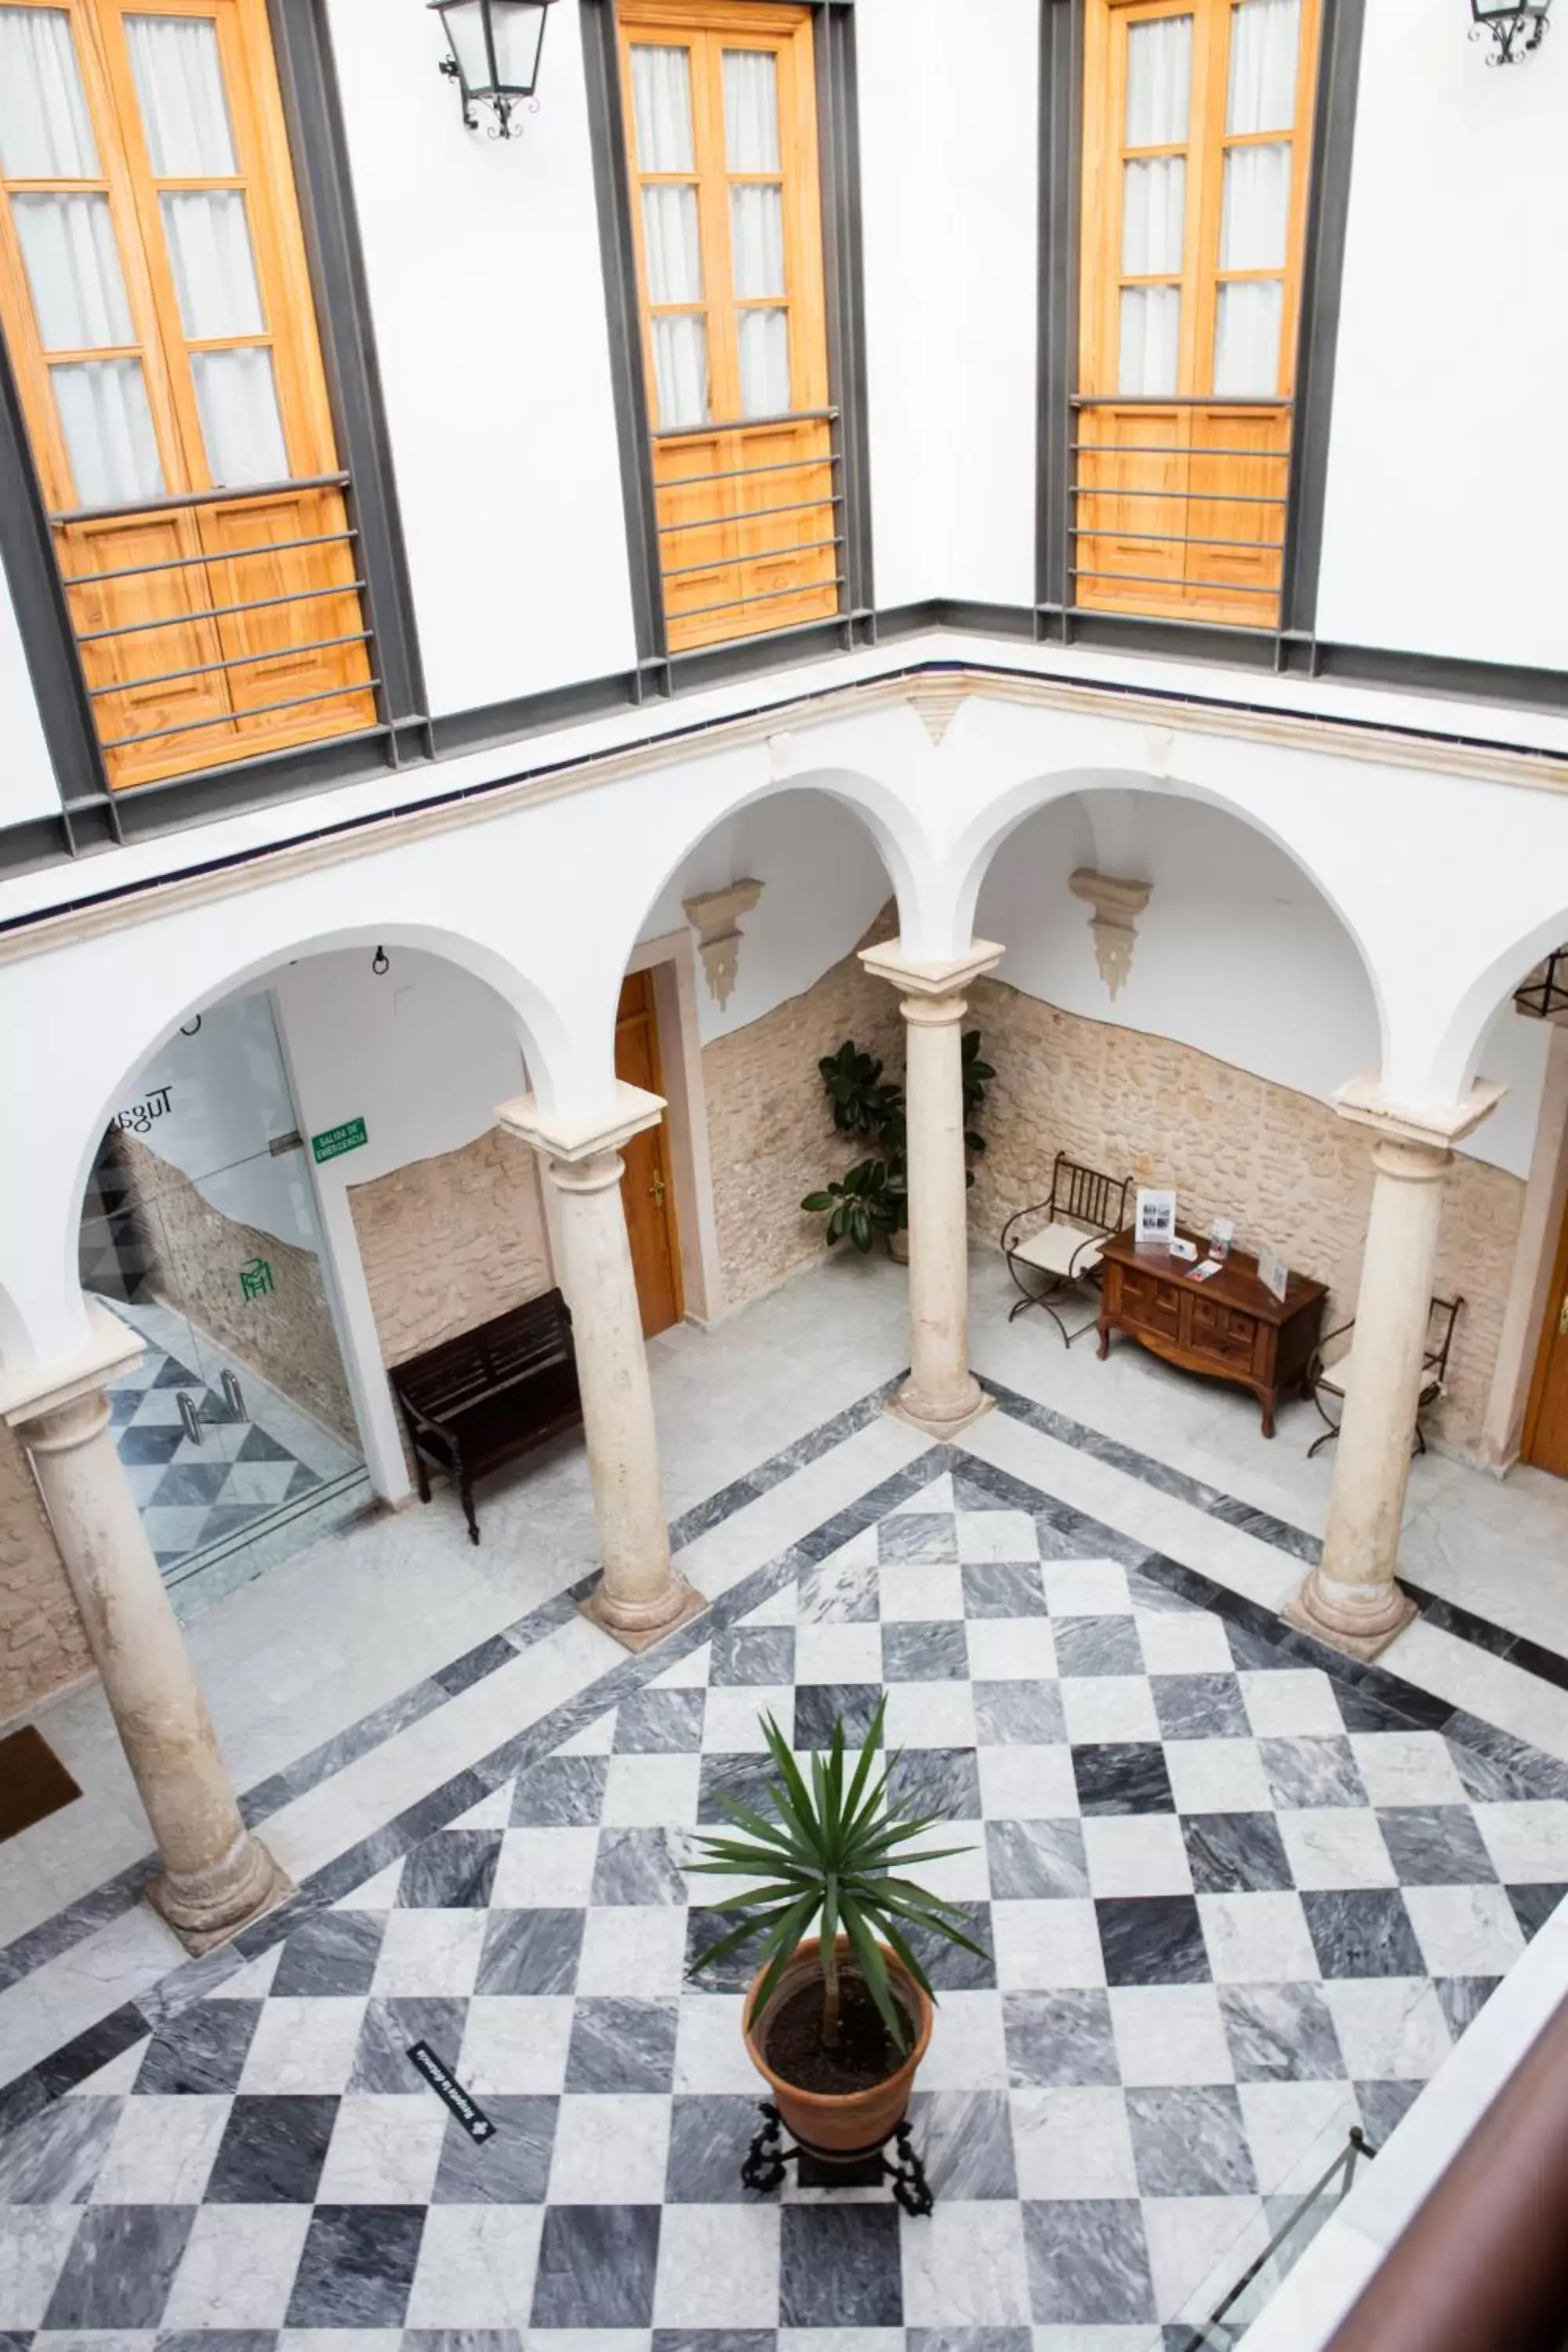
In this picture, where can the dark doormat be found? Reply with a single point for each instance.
(34, 1783)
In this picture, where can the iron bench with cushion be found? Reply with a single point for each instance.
(476, 1402)
(1082, 1209)
(1334, 1379)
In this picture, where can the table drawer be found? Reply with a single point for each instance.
(1146, 1301)
(1222, 1333)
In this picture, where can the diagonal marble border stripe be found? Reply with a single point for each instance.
(1443, 1616)
(1491, 1763)
(258, 1804)
(120, 1894)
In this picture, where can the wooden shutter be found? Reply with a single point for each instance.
(1181, 504)
(748, 520)
(180, 680)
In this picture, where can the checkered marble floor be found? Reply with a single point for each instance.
(192, 1496)
(1234, 1903)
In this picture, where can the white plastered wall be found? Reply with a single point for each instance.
(482, 257)
(26, 779)
(1448, 487)
(949, 181)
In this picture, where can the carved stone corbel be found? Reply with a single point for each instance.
(1117, 906)
(715, 916)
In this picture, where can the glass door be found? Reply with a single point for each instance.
(202, 1233)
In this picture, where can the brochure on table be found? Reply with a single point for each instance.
(1154, 1227)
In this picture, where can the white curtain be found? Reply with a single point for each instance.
(680, 365)
(179, 80)
(661, 101)
(73, 269)
(109, 433)
(239, 406)
(1247, 339)
(1255, 210)
(1150, 342)
(209, 252)
(764, 364)
(44, 134)
(756, 234)
(1159, 82)
(1154, 216)
(1265, 37)
(671, 243)
(751, 110)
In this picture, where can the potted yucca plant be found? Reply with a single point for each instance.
(836, 2021)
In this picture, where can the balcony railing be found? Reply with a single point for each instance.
(750, 518)
(1179, 509)
(218, 624)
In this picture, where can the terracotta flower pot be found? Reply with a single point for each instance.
(841, 2123)
(899, 1246)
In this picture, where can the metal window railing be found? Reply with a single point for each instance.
(739, 514)
(1131, 496)
(226, 670)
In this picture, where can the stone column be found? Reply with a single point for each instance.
(639, 1595)
(943, 1395)
(1352, 1600)
(216, 1876)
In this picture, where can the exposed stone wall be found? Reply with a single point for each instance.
(450, 1242)
(195, 1252)
(771, 1136)
(1288, 1170)
(42, 1645)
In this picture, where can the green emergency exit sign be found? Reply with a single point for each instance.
(336, 1140)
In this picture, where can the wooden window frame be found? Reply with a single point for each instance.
(1198, 529)
(291, 150)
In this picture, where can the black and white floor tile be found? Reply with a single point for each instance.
(193, 1494)
(1234, 1903)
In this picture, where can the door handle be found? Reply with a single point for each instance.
(189, 1415)
(657, 1189)
(234, 1397)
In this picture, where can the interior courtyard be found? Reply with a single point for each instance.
(783, 999)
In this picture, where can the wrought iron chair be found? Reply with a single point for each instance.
(1083, 1209)
(1334, 1379)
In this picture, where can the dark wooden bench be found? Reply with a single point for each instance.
(478, 1401)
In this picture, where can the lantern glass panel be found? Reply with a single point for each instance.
(464, 24)
(519, 37)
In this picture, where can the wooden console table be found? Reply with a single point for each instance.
(1229, 1327)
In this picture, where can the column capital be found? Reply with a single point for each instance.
(1438, 1126)
(574, 1135)
(931, 975)
(31, 1391)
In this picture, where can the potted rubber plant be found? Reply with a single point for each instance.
(872, 1197)
(837, 2020)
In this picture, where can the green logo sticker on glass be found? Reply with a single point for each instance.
(255, 1278)
(335, 1140)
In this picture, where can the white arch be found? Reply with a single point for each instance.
(1458, 1051)
(104, 1044)
(972, 855)
(905, 854)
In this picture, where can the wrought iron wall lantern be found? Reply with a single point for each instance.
(1516, 26)
(495, 47)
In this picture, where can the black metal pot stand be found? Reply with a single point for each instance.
(861, 2167)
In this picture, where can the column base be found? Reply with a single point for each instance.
(1363, 1633)
(206, 1908)
(638, 1624)
(907, 1406)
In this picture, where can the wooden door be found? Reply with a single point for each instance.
(1546, 1418)
(720, 99)
(646, 1188)
(1184, 419)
